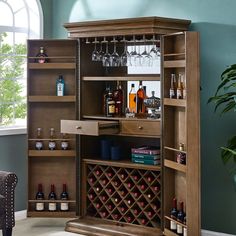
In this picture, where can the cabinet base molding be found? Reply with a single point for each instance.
(98, 227)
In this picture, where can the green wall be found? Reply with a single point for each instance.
(13, 158)
(216, 22)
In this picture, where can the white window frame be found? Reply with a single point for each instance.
(13, 130)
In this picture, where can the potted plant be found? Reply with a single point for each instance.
(225, 96)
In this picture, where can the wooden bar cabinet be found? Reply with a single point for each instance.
(119, 197)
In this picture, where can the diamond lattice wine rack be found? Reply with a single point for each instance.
(124, 195)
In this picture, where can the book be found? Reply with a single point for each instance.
(145, 156)
(149, 150)
(146, 162)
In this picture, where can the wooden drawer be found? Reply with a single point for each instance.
(89, 127)
(146, 128)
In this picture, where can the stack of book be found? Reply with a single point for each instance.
(149, 155)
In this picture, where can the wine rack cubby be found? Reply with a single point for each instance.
(124, 195)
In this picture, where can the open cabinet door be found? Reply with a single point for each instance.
(181, 126)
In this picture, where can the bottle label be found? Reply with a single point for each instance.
(60, 89)
(39, 206)
(64, 145)
(185, 231)
(41, 59)
(179, 229)
(111, 108)
(173, 225)
(172, 93)
(52, 206)
(39, 145)
(179, 94)
(64, 206)
(52, 145)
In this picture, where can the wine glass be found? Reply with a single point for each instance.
(154, 52)
(146, 57)
(125, 56)
(95, 53)
(101, 52)
(106, 57)
(133, 53)
(138, 58)
(115, 58)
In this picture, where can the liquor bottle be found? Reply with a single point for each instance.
(39, 206)
(118, 97)
(132, 100)
(105, 94)
(180, 156)
(41, 56)
(60, 86)
(52, 206)
(179, 90)
(64, 206)
(110, 105)
(173, 215)
(145, 97)
(180, 218)
(140, 99)
(39, 142)
(183, 86)
(64, 142)
(52, 143)
(172, 86)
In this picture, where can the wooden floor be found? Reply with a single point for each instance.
(97, 227)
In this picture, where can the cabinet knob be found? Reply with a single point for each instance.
(140, 127)
(78, 127)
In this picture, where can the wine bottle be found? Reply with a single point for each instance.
(180, 218)
(132, 100)
(129, 185)
(104, 198)
(173, 215)
(180, 156)
(64, 206)
(104, 182)
(172, 86)
(41, 56)
(136, 194)
(98, 205)
(143, 187)
(182, 80)
(123, 209)
(39, 196)
(129, 219)
(105, 95)
(91, 180)
(52, 206)
(52, 143)
(91, 196)
(39, 142)
(64, 142)
(104, 214)
(110, 207)
(60, 86)
(185, 229)
(179, 90)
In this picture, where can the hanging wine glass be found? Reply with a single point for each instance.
(138, 58)
(154, 52)
(106, 57)
(125, 56)
(115, 58)
(146, 57)
(100, 52)
(95, 51)
(133, 53)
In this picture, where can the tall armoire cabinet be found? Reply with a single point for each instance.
(118, 196)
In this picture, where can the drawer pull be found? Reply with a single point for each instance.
(78, 127)
(140, 127)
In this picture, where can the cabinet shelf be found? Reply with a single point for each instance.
(52, 99)
(121, 78)
(174, 54)
(174, 64)
(174, 102)
(176, 166)
(122, 163)
(46, 201)
(56, 57)
(68, 214)
(59, 65)
(174, 149)
(53, 153)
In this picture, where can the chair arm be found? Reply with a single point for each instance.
(8, 181)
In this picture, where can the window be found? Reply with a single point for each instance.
(20, 20)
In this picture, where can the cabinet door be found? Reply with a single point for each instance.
(180, 124)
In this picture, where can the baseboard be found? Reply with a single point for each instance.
(20, 215)
(212, 233)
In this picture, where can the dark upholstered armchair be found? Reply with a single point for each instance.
(8, 181)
